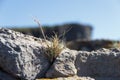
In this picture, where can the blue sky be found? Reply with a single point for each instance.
(103, 15)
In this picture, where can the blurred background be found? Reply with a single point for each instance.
(94, 19)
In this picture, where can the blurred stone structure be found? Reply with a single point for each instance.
(90, 45)
(67, 32)
(75, 32)
(70, 32)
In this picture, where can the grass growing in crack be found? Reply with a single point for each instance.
(54, 47)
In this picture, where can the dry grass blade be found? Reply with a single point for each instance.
(54, 48)
(37, 21)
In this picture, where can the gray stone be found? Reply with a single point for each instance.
(107, 78)
(76, 78)
(5, 76)
(100, 63)
(63, 66)
(68, 78)
(22, 55)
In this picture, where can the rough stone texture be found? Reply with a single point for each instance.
(82, 78)
(21, 55)
(69, 78)
(76, 78)
(100, 63)
(107, 78)
(63, 65)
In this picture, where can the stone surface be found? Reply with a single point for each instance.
(107, 78)
(69, 78)
(5, 76)
(63, 66)
(82, 78)
(100, 63)
(22, 55)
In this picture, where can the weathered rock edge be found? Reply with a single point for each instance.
(102, 63)
(22, 57)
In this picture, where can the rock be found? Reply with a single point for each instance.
(4, 76)
(22, 55)
(69, 78)
(76, 78)
(63, 66)
(100, 63)
(107, 78)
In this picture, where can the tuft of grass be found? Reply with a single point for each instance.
(54, 47)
